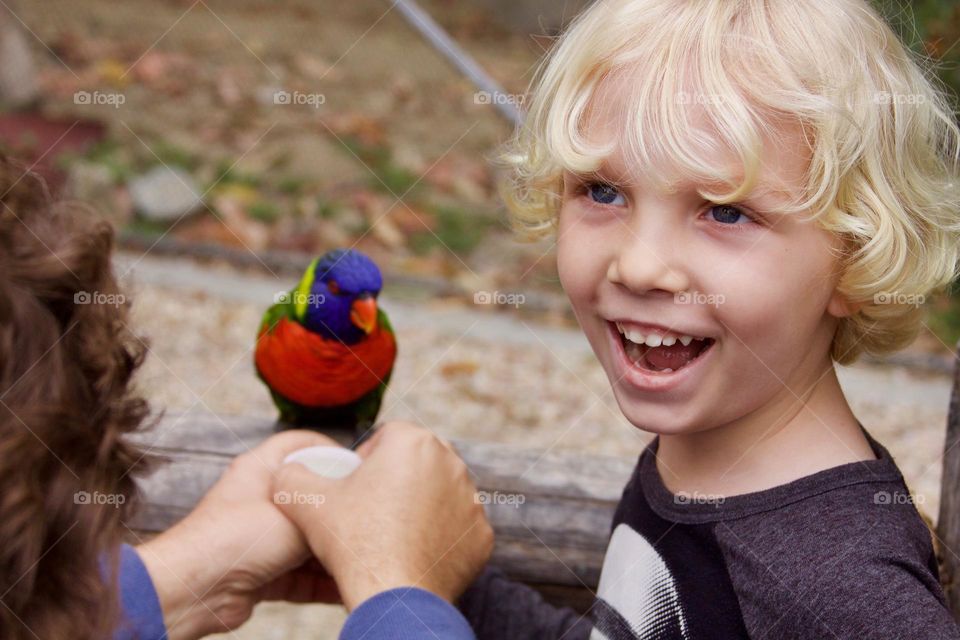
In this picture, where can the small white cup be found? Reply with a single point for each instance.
(329, 462)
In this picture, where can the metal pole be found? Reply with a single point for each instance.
(450, 50)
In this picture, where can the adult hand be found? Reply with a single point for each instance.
(236, 549)
(408, 516)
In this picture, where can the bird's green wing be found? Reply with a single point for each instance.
(282, 309)
(367, 407)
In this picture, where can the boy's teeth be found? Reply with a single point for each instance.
(654, 339)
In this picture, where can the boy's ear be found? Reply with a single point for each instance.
(840, 307)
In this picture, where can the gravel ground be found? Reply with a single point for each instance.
(463, 372)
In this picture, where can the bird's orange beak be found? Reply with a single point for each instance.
(363, 313)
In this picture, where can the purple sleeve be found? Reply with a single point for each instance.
(141, 617)
(406, 613)
(497, 607)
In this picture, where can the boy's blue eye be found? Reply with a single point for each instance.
(603, 193)
(728, 214)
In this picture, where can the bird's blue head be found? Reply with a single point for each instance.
(337, 297)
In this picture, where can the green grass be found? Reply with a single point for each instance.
(291, 185)
(264, 211)
(174, 156)
(227, 173)
(456, 228)
(106, 153)
(150, 228)
(326, 209)
(389, 176)
(944, 318)
(928, 22)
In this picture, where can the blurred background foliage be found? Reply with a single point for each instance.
(931, 28)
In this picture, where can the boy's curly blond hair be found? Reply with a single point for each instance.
(880, 128)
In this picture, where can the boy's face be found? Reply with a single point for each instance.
(758, 283)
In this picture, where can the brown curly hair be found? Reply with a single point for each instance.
(66, 360)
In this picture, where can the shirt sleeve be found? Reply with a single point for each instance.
(406, 613)
(141, 616)
(499, 608)
(864, 571)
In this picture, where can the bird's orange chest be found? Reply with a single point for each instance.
(312, 371)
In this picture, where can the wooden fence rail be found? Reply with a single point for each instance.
(551, 516)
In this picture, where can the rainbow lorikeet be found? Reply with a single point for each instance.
(325, 349)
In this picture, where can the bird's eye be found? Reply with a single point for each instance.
(333, 287)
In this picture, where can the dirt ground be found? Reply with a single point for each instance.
(197, 79)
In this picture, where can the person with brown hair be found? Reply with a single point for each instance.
(68, 469)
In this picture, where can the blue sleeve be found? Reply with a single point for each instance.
(406, 613)
(141, 617)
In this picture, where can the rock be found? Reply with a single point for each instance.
(18, 77)
(164, 194)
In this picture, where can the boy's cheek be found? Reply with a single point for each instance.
(573, 270)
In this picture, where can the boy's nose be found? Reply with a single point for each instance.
(643, 264)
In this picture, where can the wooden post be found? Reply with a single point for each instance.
(948, 521)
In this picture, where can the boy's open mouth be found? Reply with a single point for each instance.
(664, 358)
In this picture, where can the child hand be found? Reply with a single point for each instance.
(406, 517)
(236, 549)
